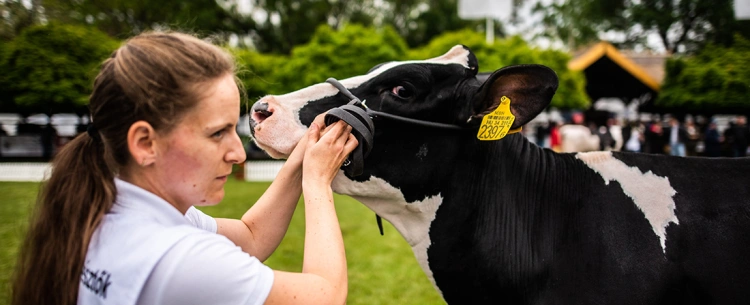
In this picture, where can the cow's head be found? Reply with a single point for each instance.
(402, 171)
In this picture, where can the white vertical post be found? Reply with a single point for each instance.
(742, 9)
(485, 9)
(490, 29)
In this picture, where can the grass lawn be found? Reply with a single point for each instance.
(382, 269)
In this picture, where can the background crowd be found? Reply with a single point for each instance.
(668, 136)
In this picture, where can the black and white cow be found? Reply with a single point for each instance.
(507, 222)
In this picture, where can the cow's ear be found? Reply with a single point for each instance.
(529, 87)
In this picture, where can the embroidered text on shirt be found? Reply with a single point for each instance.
(96, 281)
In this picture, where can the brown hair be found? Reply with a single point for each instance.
(152, 77)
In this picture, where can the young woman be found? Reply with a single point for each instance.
(116, 222)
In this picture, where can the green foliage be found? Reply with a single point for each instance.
(340, 54)
(684, 26)
(416, 21)
(16, 16)
(17, 198)
(298, 20)
(258, 72)
(571, 93)
(716, 80)
(123, 18)
(576, 23)
(51, 68)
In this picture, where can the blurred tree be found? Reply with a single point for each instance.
(350, 51)
(684, 26)
(258, 72)
(16, 15)
(124, 18)
(571, 93)
(355, 49)
(715, 80)
(419, 21)
(280, 25)
(50, 68)
(578, 22)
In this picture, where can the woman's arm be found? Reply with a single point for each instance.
(263, 226)
(324, 276)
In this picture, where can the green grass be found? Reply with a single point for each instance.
(382, 269)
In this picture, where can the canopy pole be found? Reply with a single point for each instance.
(490, 29)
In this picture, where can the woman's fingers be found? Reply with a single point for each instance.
(351, 144)
(313, 134)
(334, 131)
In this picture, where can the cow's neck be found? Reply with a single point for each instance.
(508, 210)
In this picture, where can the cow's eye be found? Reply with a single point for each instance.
(401, 92)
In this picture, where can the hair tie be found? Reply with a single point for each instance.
(93, 133)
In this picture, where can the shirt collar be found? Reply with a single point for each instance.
(133, 200)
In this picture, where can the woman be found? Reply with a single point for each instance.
(116, 223)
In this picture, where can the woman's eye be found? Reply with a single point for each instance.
(218, 134)
(401, 92)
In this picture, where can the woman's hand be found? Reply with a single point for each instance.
(326, 150)
(299, 151)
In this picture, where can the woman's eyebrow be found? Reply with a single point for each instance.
(220, 126)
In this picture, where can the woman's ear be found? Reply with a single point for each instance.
(141, 144)
(528, 87)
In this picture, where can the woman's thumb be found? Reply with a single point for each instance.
(313, 134)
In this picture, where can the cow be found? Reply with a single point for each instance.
(507, 222)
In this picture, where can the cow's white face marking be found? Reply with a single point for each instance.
(412, 219)
(279, 133)
(651, 193)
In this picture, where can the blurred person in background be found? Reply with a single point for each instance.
(694, 137)
(633, 136)
(555, 139)
(676, 136)
(712, 139)
(654, 138)
(740, 136)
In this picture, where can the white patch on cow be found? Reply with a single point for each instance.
(651, 193)
(279, 133)
(411, 219)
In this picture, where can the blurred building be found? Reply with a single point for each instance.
(622, 82)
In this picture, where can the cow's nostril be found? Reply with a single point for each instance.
(261, 111)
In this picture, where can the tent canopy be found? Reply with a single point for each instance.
(610, 74)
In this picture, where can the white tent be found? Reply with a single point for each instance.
(742, 9)
(66, 124)
(243, 126)
(9, 123)
(38, 119)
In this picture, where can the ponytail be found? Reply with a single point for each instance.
(70, 206)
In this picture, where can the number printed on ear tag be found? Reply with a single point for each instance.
(496, 124)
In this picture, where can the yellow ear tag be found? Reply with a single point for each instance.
(497, 124)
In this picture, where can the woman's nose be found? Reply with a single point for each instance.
(236, 153)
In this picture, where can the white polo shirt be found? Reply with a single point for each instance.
(146, 252)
